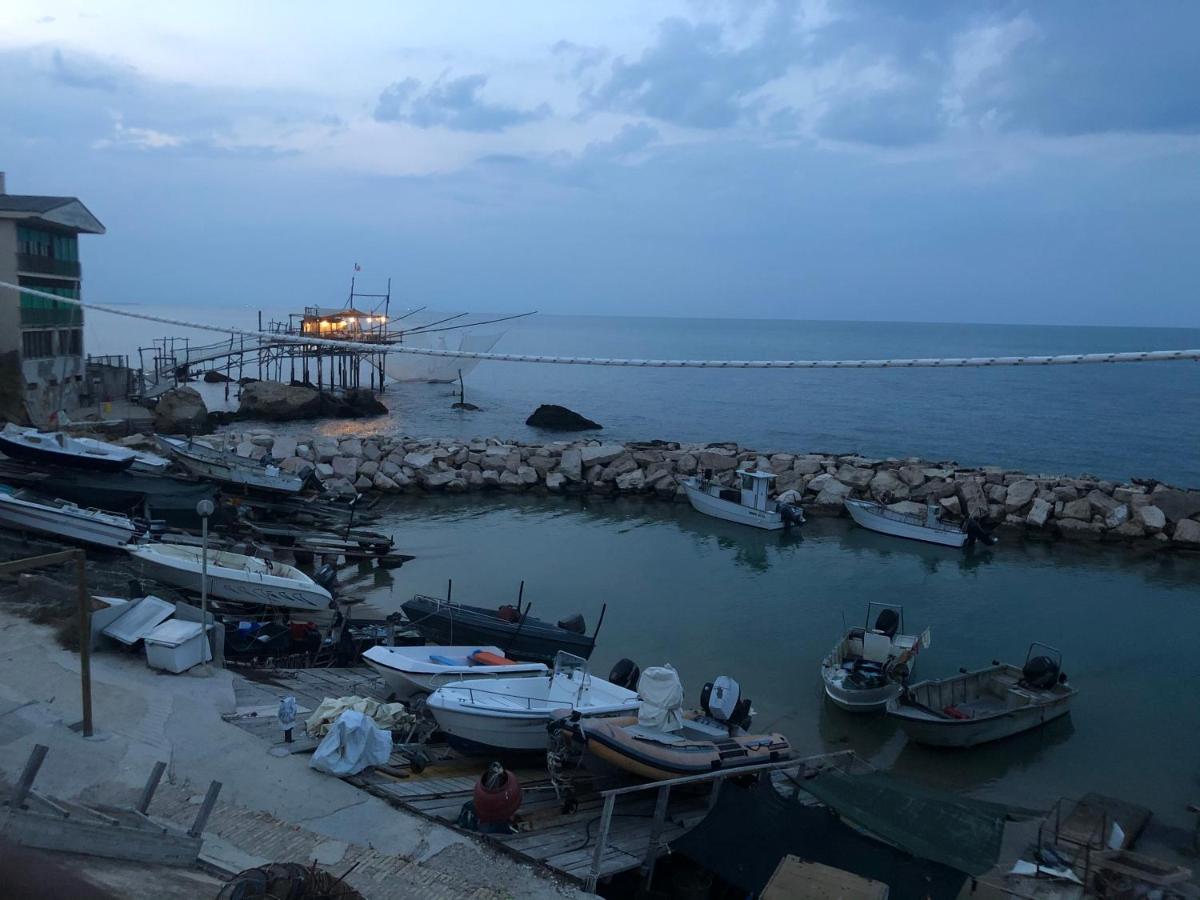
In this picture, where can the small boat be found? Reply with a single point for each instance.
(351, 543)
(229, 468)
(26, 510)
(57, 448)
(422, 670)
(987, 704)
(877, 517)
(870, 665)
(513, 713)
(235, 578)
(143, 461)
(663, 742)
(748, 504)
(522, 636)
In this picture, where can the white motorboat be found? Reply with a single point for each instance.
(229, 468)
(512, 713)
(235, 578)
(421, 670)
(28, 511)
(60, 449)
(870, 665)
(747, 504)
(142, 460)
(928, 527)
(987, 704)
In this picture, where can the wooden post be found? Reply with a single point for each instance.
(85, 640)
(714, 793)
(206, 808)
(660, 816)
(143, 804)
(28, 774)
(601, 841)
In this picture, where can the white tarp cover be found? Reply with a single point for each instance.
(352, 744)
(662, 699)
(388, 716)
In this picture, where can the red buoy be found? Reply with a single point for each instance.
(497, 795)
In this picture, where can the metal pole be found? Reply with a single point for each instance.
(205, 509)
(85, 641)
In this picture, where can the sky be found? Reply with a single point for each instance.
(1012, 162)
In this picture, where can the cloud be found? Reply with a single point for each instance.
(453, 103)
(88, 73)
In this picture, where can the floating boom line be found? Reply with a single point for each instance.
(1074, 359)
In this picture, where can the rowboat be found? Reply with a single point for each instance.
(747, 504)
(512, 714)
(229, 468)
(25, 510)
(927, 527)
(408, 671)
(522, 636)
(143, 461)
(233, 577)
(57, 448)
(987, 704)
(663, 742)
(868, 666)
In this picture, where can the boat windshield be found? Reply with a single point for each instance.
(573, 669)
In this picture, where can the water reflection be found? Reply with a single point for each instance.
(865, 733)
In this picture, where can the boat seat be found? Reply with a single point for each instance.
(876, 647)
(444, 660)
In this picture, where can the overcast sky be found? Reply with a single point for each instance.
(976, 162)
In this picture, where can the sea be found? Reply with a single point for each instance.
(712, 598)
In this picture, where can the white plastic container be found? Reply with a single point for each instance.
(177, 645)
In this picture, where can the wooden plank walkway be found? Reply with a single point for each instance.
(547, 835)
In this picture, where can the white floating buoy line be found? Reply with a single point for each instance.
(1073, 359)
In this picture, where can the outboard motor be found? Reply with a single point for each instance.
(976, 531)
(722, 700)
(888, 622)
(573, 623)
(791, 515)
(625, 674)
(326, 577)
(1040, 673)
(508, 613)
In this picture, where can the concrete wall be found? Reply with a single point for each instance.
(10, 301)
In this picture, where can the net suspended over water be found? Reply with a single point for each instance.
(1074, 359)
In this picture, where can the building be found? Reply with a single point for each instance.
(41, 340)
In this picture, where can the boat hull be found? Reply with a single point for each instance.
(532, 642)
(869, 700)
(963, 733)
(404, 679)
(230, 472)
(706, 503)
(865, 515)
(111, 532)
(85, 462)
(236, 587)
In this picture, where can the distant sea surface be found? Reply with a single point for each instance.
(1115, 421)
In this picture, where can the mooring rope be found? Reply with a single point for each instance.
(1072, 359)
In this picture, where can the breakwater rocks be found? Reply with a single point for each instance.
(1083, 508)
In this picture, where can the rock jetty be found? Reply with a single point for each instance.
(1080, 508)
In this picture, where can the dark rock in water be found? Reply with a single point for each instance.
(221, 417)
(181, 410)
(275, 402)
(246, 380)
(559, 418)
(469, 407)
(212, 376)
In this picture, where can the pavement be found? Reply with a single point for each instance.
(270, 808)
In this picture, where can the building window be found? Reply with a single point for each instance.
(37, 344)
(35, 242)
(43, 312)
(70, 342)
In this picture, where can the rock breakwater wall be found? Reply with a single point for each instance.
(1074, 508)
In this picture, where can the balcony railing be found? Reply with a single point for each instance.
(64, 315)
(46, 265)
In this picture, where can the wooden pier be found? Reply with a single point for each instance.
(616, 825)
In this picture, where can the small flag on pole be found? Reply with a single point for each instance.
(357, 267)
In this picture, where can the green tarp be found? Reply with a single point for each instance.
(958, 832)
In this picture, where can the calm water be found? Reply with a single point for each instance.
(1113, 421)
(711, 598)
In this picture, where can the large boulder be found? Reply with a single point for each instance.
(717, 460)
(600, 456)
(1176, 505)
(570, 464)
(181, 410)
(854, 475)
(1077, 509)
(1187, 533)
(831, 497)
(1019, 494)
(558, 418)
(1150, 518)
(274, 401)
(974, 501)
(1039, 512)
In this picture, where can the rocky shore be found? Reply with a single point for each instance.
(1080, 508)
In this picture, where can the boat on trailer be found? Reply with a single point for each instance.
(747, 504)
(510, 627)
(58, 448)
(229, 468)
(928, 527)
(234, 578)
(986, 705)
(25, 510)
(408, 671)
(512, 714)
(870, 665)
